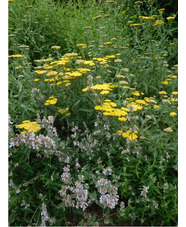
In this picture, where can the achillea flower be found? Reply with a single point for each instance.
(125, 69)
(18, 67)
(135, 25)
(118, 60)
(122, 119)
(120, 76)
(175, 93)
(170, 18)
(169, 129)
(119, 131)
(161, 10)
(16, 56)
(165, 82)
(156, 107)
(40, 72)
(30, 126)
(136, 93)
(162, 93)
(51, 101)
(56, 47)
(122, 82)
(51, 73)
(158, 22)
(104, 92)
(130, 135)
(172, 114)
(148, 116)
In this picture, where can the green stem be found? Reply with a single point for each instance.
(33, 215)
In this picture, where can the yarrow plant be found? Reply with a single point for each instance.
(92, 114)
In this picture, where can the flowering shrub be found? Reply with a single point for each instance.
(93, 127)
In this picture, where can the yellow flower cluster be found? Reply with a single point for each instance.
(170, 18)
(108, 108)
(82, 45)
(44, 60)
(51, 101)
(130, 135)
(104, 88)
(40, 72)
(64, 111)
(158, 22)
(29, 126)
(56, 47)
(135, 25)
(172, 114)
(161, 10)
(16, 56)
(64, 76)
(148, 18)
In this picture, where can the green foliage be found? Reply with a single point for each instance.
(93, 113)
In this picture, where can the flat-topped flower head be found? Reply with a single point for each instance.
(29, 126)
(55, 47)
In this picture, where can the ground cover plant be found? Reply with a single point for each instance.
(93, 105)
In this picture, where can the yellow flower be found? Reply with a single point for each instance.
(63, 110)
(170, 18)
(51, 101)
(40, 72)
(36, 80)
(16, 56)
(29, 126)
(161, 10)
(175, 93)
(136, 93)
(142, 102)
(135, 25)
(119, 76)
(169, 129)
(156, 107)
(172, 114)
(174, 77)
(165, 82)
(24, 132)
(162, 93)
(123, 82)
(104, 92)
(122, 119)
(51, 73)
(142, 137)
(130, 135)
(107, 43)
(158, 22)
(85, 89)
(18, 67)
(148, 116)
(119, 131)
(56, 47)
(118, 60)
